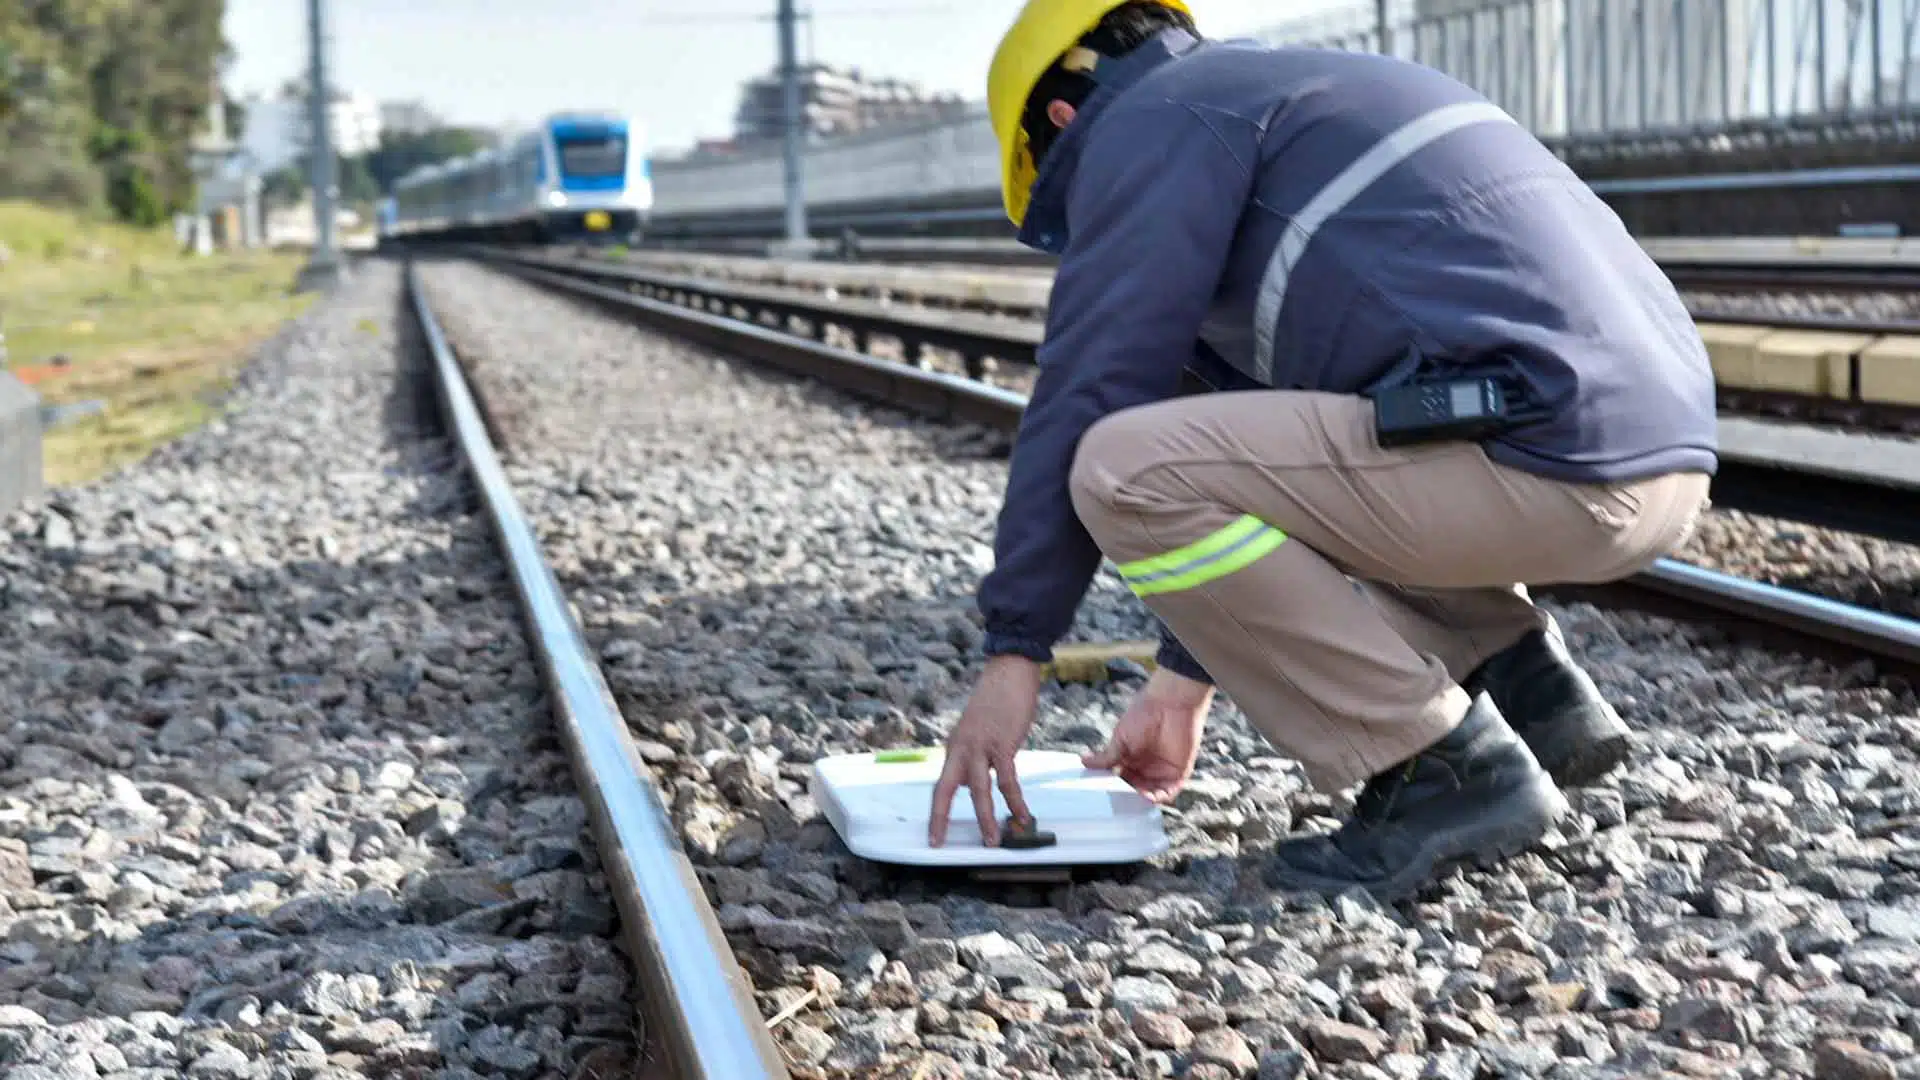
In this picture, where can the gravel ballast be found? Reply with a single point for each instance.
(278, 792)
(1842, 566)
(1893, 306)
(1848, 567)
(771, 572)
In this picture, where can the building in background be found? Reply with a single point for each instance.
(408, 118)
(279, 129)
(837, 102)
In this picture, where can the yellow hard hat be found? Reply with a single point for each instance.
(1043, 31)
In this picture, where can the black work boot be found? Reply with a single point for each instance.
(1555, 707)
(1476, 796)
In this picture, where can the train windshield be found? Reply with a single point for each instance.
(593, 155)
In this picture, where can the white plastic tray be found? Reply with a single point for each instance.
(879, 805)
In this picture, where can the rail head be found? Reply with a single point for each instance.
(696, 997)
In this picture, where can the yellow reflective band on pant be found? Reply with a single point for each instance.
(1214, 556)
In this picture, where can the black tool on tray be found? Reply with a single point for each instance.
(1023, 833)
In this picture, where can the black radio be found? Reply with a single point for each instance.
(1461, 409)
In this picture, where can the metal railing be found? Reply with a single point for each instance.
(1578, 69)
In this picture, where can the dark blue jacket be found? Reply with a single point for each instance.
(1302, 219)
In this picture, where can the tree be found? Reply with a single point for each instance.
(401, 153)
(100, 100)
(236, 111)
(284, 185)
(356, 182)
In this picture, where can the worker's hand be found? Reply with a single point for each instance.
(1154, 745)
(983, 742)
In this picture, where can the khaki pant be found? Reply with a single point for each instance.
(1336, 590)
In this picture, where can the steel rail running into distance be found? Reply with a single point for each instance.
(944, 328)
(1827, 497)
(1686, 271)
(1839, 277)
(698, 1004)
(1807, 620)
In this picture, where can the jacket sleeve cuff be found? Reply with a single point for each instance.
(1000, 643)
(1175, 658)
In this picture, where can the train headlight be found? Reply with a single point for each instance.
(556, 198)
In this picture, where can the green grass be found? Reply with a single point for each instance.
(156, 334)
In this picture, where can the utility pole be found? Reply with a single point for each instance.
(326, 266)
(1383, 26)
(794, 126)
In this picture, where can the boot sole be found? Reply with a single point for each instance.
(1519, 822)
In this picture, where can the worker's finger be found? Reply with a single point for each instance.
(1107, 756)
(1010, 788)
(943, 792)
(1140, 780)
(982, 789)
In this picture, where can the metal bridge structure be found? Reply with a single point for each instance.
(1689, 116)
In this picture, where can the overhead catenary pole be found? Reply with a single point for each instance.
(792, 128)
(325, 265)
(1383, 25)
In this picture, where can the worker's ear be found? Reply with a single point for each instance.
(1060, 113)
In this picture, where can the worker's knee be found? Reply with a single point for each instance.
(1111, 454)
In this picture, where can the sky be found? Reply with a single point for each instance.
(676, 69)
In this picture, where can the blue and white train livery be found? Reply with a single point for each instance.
(576, 175)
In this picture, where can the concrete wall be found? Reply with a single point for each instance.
(934, 161)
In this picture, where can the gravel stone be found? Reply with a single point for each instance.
(239, 674)
(1844, 1059)
(1336, 1042)
(771, 572)
(1224, 1047)
(1161, 1031)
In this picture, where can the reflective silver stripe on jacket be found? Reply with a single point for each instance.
(1402, 144)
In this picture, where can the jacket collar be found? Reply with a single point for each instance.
(1045, 228)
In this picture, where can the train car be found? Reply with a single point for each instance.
(576, 176)
(386, 220)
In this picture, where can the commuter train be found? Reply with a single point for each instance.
(576, 176)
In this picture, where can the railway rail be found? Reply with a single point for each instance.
(702, 1015)
(942, 276)
(1766, 335)
(1854, 482)
(1835, 264)
(1757, 484)
(1027, 1000)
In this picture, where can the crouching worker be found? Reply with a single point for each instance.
(1447, 369)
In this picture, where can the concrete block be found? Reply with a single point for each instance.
(21, 475)
(1731, 348)
(1891, 460)
(1890, 370)
(1812, 362)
